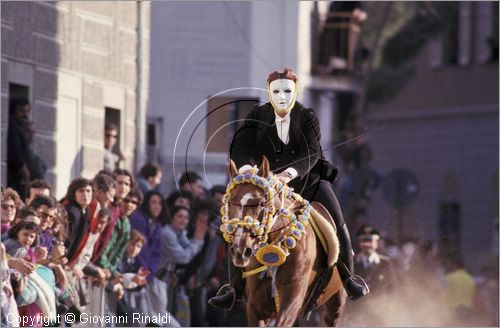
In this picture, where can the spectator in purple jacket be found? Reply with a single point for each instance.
(46, 209)
(149, 220)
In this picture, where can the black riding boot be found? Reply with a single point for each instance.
(354, 285)
(230, 295)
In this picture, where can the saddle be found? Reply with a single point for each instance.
(326, 231)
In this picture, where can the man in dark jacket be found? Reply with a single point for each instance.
(18, 153)
(376, 268)
(288, 134)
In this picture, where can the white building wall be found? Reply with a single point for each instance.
(76, 58)
(201, 49)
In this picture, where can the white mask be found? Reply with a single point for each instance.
(282, 94)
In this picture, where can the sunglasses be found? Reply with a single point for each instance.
(126, 200)
(46, 215)
(109, 135)
(8, 207)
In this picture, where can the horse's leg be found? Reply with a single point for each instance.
(253, 320)
(334, 308)
(291, 298)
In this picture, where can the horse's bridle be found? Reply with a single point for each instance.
(271, 187)
(274, 252)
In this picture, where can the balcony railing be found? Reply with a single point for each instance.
(336, 36)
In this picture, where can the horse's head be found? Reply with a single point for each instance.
(246, 205)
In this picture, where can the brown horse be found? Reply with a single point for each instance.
(294, 278)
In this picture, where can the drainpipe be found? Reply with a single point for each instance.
(141, 94)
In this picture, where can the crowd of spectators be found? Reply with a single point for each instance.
(106, 248)
(115, 244)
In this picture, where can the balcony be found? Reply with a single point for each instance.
(334, 51)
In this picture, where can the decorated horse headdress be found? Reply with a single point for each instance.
(270, 253)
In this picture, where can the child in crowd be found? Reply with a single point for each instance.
(36, 293)
(22, 237)
(132, 274)
(127, 286)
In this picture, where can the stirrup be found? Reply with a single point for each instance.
(356, 287)
(224, 290)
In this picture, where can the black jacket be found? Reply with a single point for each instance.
(78, 223)
(17, 149)
(249, 146)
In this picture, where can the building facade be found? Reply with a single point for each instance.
(209, 65)
(443, 127)
(80, 64)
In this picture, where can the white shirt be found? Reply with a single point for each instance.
(87, 251)
(368, 261)
(283, 129)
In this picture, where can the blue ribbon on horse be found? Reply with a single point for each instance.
(271, 273)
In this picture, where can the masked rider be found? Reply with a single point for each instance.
(288, 134)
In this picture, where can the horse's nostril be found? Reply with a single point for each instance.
(247, 253)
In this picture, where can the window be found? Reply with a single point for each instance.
(112, 116)
(450, 226)
(154, 133)
(493, 40)
(451, 37)
(18, 91)
(225, 115)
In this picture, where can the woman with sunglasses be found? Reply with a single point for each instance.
(10, 204)
(46, 209)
